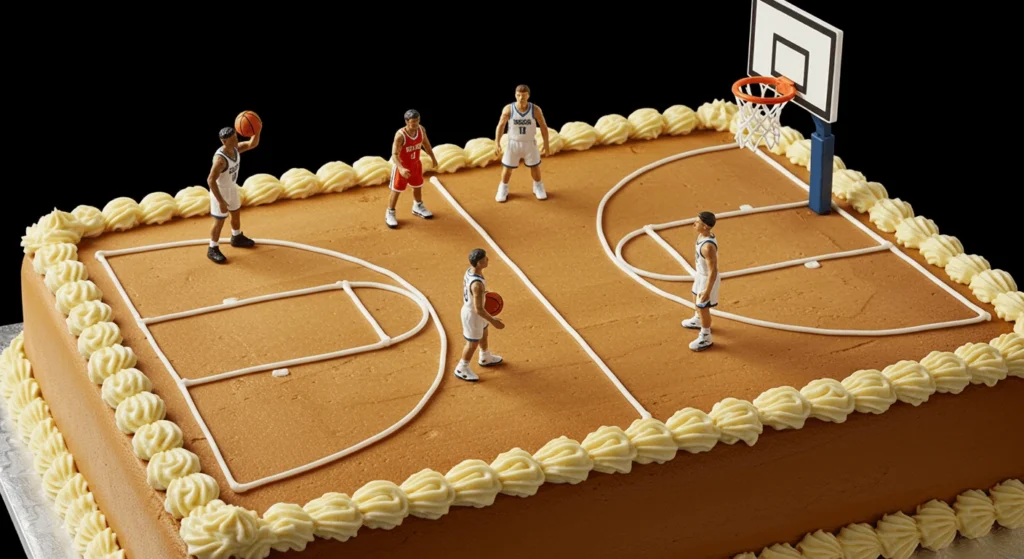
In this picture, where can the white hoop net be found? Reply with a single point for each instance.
(757, 124)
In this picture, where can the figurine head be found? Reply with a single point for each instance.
(228, 137)
(705, 222)
(523, 93)
(412, 118)
(478, 258)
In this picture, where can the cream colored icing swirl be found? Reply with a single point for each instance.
(373, 170)
(48, 449)
(645, 124)
(54, 228)
(938, 250)
(963, 267)
(187, 493)
(97, 337)
(845, 181)
(291, 527)
(564, 461)
(337, 176)
(936, 523)
(985, 364)
(865, 195)
(578, 136)
(912, 382)
(18, 371)
(787, 137)
(783, 407)
(746, 555)
(949, 371)
(479, 152)
(260, 189)
(898, 534)
(555, 141)
(1009, 305)
(612, 129)
(91, 219)
(888, 213)
(1018, 326)
(1011, 347)
(520, 474)
(169, 465)
(78, 510)
(300, 183)
(335, 516)
(21, 396)
(158, 207)
(104, 546)
(652, 440)
(88, 314)
(34, 413)
(88, 529)
(223, 532)
(820, 545)
(109, 360)
(72, 490)
(988, 284)
(123, 385)
(693, 430)
(430, 494)
(65, 272)
(799, 153)
(716, 115)
(1008, 500)
(737, 420)
(383, 504)
(678, 120)
(450, 158)
(41, 437)
(138, 410)
(872, 391)
(780, 551)
(51, 255)
(193, 201)
(61, 470)
(156, 437)
(475, 482)
(913, 231)
(975, 513)
(74, 293)
(611, 450)
(121, 214)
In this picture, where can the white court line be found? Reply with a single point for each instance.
(183, 384)
(669, 249)
(540, 296)
(384, 338)
(624, 266)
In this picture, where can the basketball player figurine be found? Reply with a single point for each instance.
(224, 193)
(408, 169)
(475, 317)
(706, 281)
(522, 119)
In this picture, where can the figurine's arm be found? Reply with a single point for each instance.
(426, 146)
(251, 143)
(543, 127)
(506, 114)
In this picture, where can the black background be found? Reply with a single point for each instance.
(126, 115)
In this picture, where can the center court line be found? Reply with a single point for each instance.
(547, 304)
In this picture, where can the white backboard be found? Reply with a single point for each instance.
(787, 41)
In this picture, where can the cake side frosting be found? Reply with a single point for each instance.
(212, 528)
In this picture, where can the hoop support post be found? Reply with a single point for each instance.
(822, 156)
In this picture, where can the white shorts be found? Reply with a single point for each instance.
(521, 151)
(232, 198)
(473, 325)
(699, 283)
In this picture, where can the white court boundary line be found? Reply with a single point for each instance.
(385, 341)
(544, 301)
(616, 257)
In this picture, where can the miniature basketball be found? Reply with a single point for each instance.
(493, 303)
(248, 124)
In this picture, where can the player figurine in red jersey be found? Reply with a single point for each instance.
(407, 168)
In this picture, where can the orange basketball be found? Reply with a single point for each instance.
(248, 124)
(493, 303)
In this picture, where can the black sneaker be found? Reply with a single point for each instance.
(214, 253)
(241, 241)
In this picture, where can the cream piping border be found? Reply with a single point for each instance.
(383, 504)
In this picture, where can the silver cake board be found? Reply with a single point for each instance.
(43, 536)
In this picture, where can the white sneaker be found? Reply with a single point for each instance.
(693, 322)
(502, 193)
(702, 342)
(389, 218)
(492, 359)
(419, 209)
(538, 191)
(466, 374)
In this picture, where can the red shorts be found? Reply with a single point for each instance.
(415, 180)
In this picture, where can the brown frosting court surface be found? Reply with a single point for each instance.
(738, 498)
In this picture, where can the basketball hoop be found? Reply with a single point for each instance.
(758, 118)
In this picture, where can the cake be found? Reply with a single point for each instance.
(852, 407)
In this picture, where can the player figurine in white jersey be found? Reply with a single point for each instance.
(475, 317)
(705, 282)
(522, 119)
(224, 193)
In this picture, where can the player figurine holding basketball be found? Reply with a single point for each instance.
(475, 317)
(223, 182)
(408, 169)
(522, 119)
(706, 281)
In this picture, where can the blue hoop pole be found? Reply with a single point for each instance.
(822, 154)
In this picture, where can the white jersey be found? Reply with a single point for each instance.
(467, 282)
(703, 271)
(522, 127)
(230, 175)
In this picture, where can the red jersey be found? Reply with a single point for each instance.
(410, 152)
